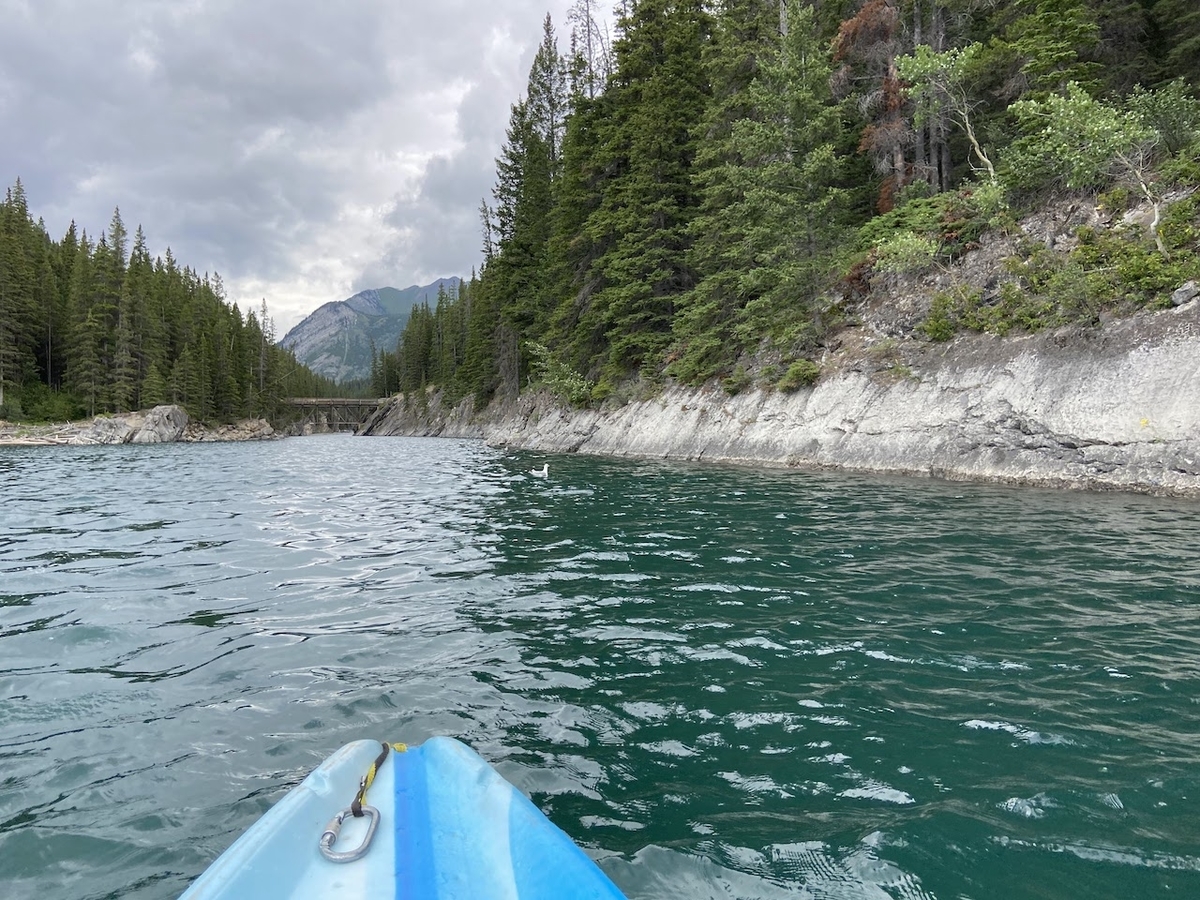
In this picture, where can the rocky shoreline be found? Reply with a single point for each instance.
(1110, 408)
(160, 425)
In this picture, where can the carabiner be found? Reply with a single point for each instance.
(330, 835)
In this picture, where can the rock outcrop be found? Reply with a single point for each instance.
(160, 425)
(1113, 408)
(244, 430)
(428, 416)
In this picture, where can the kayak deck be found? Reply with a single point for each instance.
(450, 828)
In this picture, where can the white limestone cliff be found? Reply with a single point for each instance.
(1114, 408)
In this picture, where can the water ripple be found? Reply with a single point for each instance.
(721, 682)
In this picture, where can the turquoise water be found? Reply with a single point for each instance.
(724, 683)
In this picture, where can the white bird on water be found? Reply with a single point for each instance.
(543, 472)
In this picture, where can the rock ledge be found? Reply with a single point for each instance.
(161, 425)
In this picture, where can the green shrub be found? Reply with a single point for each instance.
(41, 403)
(559, 378)
(801, 373)
(1180, 226)
(1069, 295)
(968, 213)
(1123, 266)
(1073, 139)
(736, 382)
(1170, 111)
(1145, 274)
(1117, 200)
(1013, 309)
(942, 321)
(951, 311)
(922, 216)
(602, 390)
(989, 199)
(905, 252)
(1183, 168)
(950, 222)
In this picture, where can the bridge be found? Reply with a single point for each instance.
(336, 413)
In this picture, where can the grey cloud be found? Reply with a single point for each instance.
(439, 229)
(239, 133)
(441, 225)
(277, 61)
(173, 138)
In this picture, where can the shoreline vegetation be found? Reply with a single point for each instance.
(737, 186)
(875, 237)
(92, 325)
(1102, 409)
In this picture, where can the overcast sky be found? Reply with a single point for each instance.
(303, 149)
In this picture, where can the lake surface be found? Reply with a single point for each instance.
(723, 683)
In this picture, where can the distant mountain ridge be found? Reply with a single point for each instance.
(336, 339)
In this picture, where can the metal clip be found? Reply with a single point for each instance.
(330, 835)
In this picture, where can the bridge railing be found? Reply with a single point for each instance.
(337, 413)
(347, 402)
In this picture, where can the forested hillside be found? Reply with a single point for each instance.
(91, 326)
(713, 194)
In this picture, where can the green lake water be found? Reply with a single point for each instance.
(723, 683)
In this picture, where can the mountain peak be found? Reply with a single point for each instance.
(336, 339)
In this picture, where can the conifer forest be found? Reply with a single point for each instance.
(708, 195)
(95, 326)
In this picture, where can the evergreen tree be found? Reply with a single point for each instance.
(772, 210)
(416, 350)
(1173, 38)
(547, 94)
(648, 201)
(523, 179)
(149, 337)
(529, 159)
(867, 46)
(590, 45)
(85, 371)
(1038, 46)
(154, 387)
(265, 391)
(478, 372)
(117, 331)
(62, 259)
(572, 249)
(527, 170)
(124, 384)
(745, 32)
(104, 340)
(18, 307)
(51, 314)
(376, 378)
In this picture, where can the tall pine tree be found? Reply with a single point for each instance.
(772, 209)
(648, 148)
